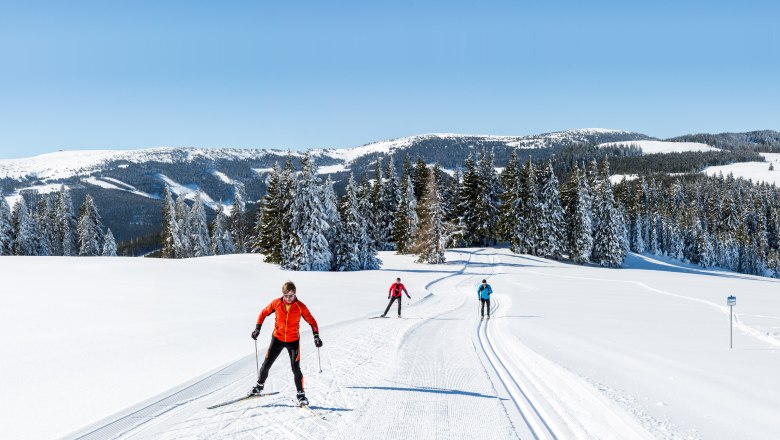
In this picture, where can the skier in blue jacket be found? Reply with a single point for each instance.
(483, 293)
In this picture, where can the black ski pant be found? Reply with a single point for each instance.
(400, 300)
(293, 349)
(482, 309)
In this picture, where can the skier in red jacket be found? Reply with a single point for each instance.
(395, 295)
(289, 312)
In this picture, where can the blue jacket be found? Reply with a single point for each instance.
(484, 293)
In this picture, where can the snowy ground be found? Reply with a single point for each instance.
(757, 171)
(570, 352)
(656, 147)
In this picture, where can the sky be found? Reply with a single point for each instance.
(313, 74)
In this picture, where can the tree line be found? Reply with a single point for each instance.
(50, 227)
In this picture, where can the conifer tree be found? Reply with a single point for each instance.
(237, 226)
(198, 229)
(185, 241)
(24, 233)
(66, 225)
(6, 228)
(551, 225)
(608, 241)
(109, 245)
(406, 221)
(432, 239)
(527, 228)
(308, 245)
(44, 230)
(470, 194)
(580, 240)
(90, 231)
(351, 232)
(391, 197)
(221, 239)
(488, 200)
(170, 236)
(269, 233)
(420, 179)
(332, 217)
(507, 215)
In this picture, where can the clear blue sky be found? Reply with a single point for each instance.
(131, 74)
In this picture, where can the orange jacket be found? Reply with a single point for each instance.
(288, 319)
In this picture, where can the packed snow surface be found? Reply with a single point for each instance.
(570, 352)
(756, 171)
(655, 147)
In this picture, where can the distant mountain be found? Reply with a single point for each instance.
(127, 184)
(767, 141)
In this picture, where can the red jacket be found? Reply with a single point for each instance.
(288, 319)
(395, 290)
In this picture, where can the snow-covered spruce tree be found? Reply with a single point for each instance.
(90, 232)
(580, 240)
(488, 201)
(368, 210)
(432, 239)
(170, 237)
(66, 226)
(24, 229)
(378, 215)
(551, 225)
(391, 197)
(268, 235)
(470, 194)
(109, 245)
(308, 244)
(183, 247)
(288, 186)
(608, 241)
(198, 229)
(507, 215)
(237, 226)
(42, 216)
(351, 232)
(332, 217)
(420, 179)
(221, 239)
(406, 220)
(6, 228)
(527, 227)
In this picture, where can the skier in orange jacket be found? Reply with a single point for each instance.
(289, 312)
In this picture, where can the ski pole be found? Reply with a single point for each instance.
(319, 361)
(257, 364)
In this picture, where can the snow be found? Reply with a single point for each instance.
(581, 352)
(65, 164)
(757, 171)
(262, 170)
(221, 176)
(41, 189)
(111, 183)
(189, 192)
(655, 147)
(617, 178)
(330, 169)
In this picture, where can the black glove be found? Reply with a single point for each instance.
(317, 340)
(256, 332)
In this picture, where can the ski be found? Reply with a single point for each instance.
(253, 396)
(375, 317)
(310, 411)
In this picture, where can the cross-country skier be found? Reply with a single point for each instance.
(289, 312)
(483, 293)
(394, 294)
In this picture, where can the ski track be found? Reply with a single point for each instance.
(401, 377)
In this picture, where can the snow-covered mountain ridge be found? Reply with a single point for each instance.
(66, 164)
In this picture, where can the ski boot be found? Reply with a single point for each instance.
(257, 390)
(302, 400)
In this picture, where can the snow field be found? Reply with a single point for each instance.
(656, 147)
(755, 171)
(570, 351)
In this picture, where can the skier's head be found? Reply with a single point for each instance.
(397, 280)
(484, 281)
(288, 291)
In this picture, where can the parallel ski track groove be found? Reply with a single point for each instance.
(522, 402)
